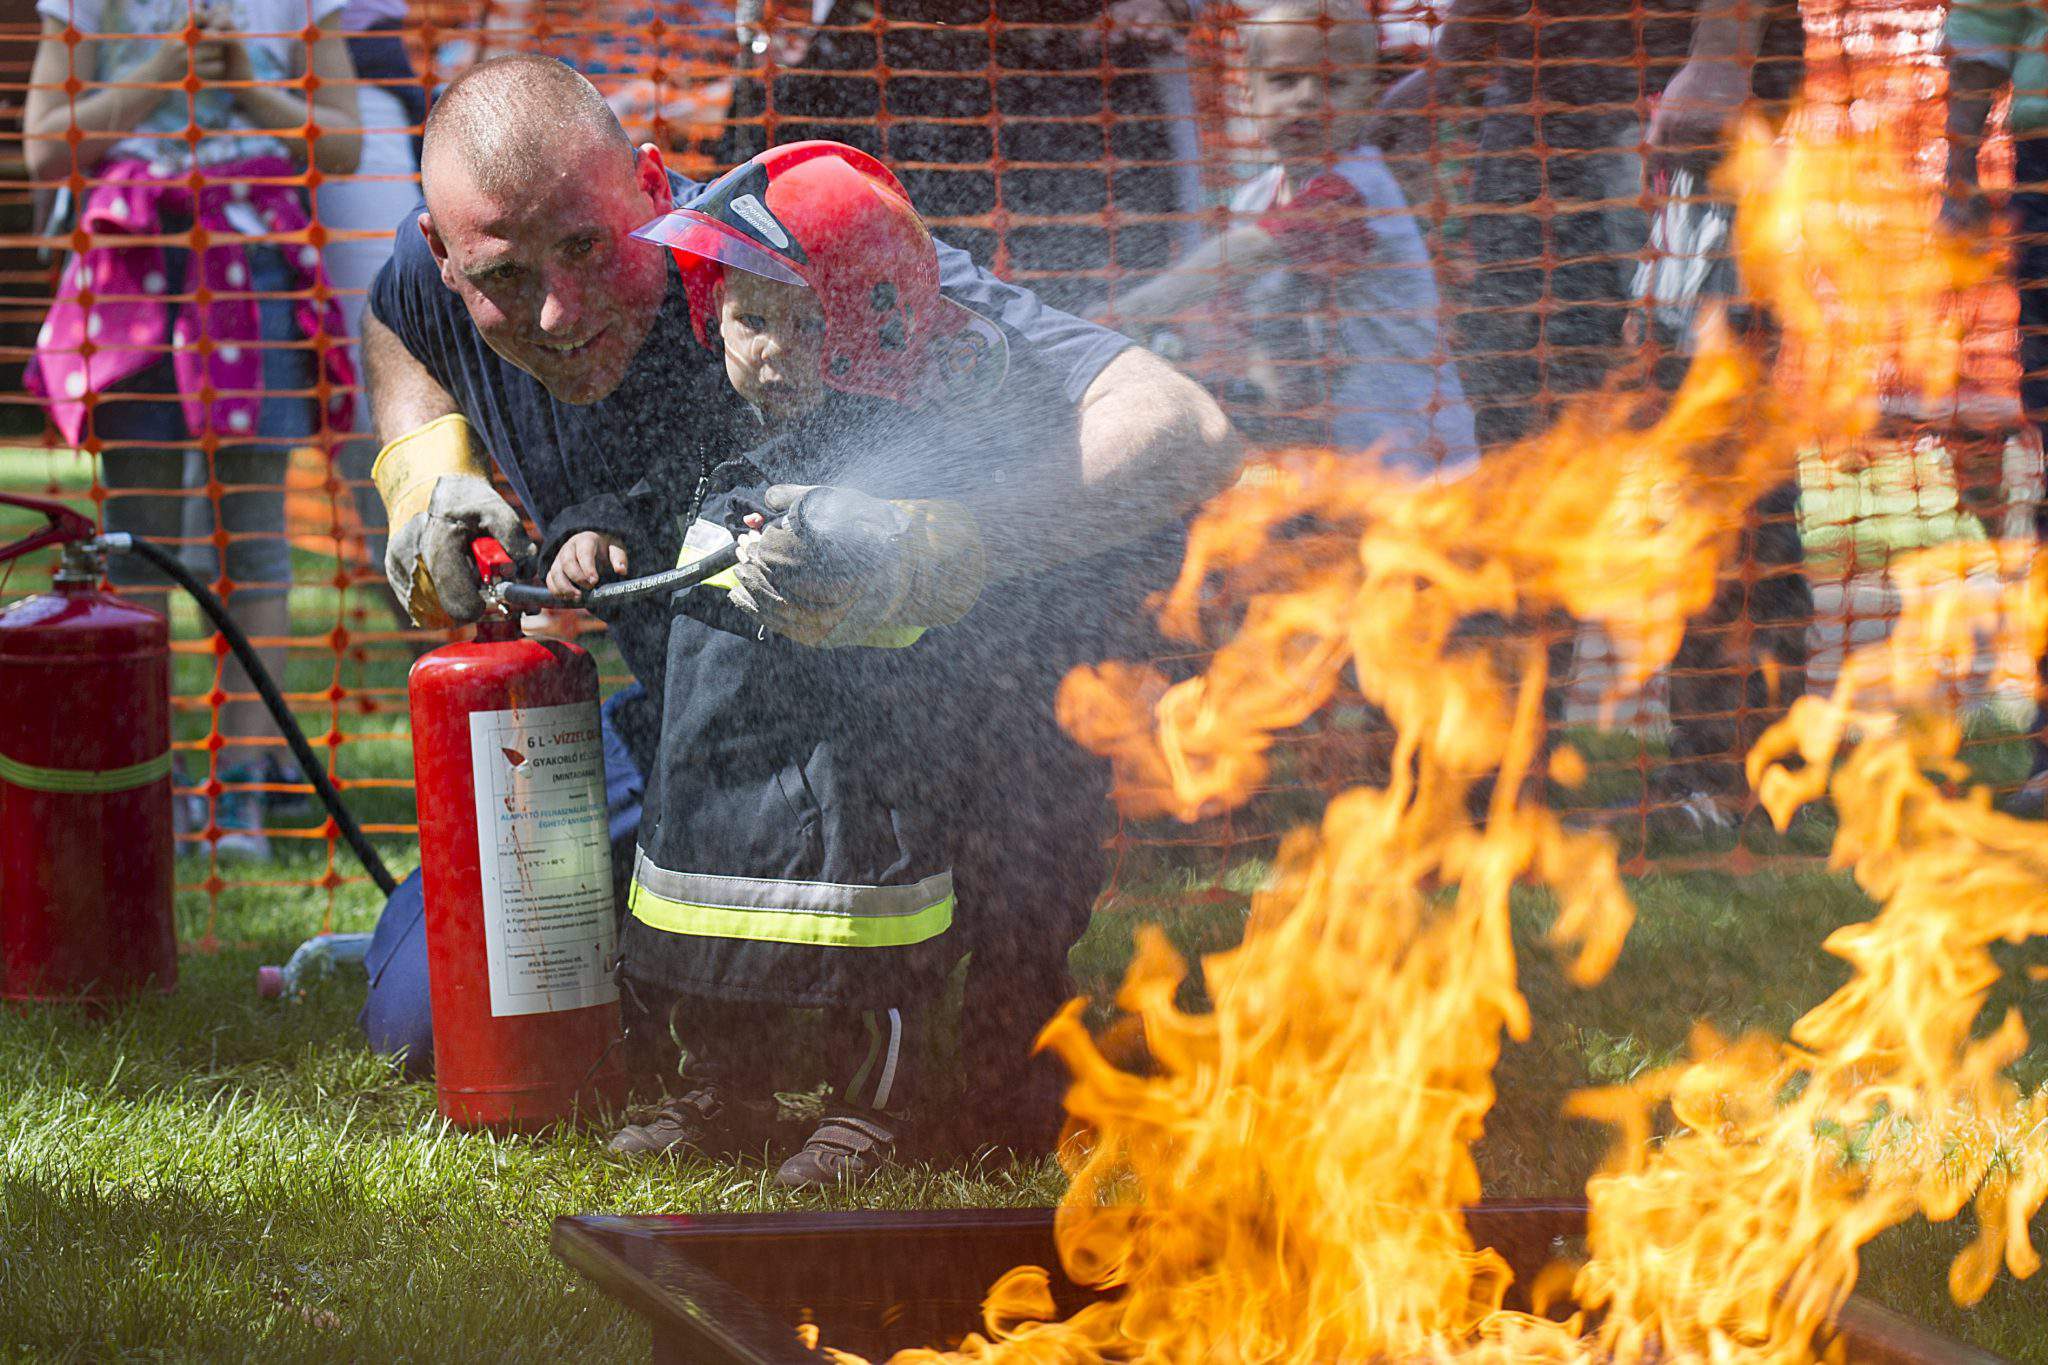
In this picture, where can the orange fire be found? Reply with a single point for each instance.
(1286, 1184)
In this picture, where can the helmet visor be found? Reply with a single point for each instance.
(688, 232)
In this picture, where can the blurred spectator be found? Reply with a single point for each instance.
(361, 211)
(1331, 281)
(1062, 93)
(1558, 234)
(664, 67)
(1995, 45)
(1558, 175)
(128, 358)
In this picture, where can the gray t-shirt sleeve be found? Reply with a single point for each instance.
(1073, 348)
(83, 15)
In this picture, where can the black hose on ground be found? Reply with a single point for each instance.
(273, 698)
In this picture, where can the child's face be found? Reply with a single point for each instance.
(774, 344)
(1304, 89)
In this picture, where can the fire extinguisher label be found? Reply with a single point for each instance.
(545, 851)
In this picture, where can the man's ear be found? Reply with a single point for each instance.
(652, 175)
(438, 247)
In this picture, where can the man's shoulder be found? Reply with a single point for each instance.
(683, 189)
(411, 278)
(1026, 326)
(971, 363)
(1005, 393)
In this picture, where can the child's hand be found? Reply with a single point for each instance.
(167, 64)
(220, 54)
(581, 563)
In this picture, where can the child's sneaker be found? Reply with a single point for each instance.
(698, 1122)
(2030, 801)
(845, 1148)
(240, 816)
(284, 772)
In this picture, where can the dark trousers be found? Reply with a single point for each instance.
(1554, 232)
(1742, 661)
(868, 1057)
(2030, 268)
(1544, 321)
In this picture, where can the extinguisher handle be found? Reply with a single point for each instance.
(492, 561)
(65, 526)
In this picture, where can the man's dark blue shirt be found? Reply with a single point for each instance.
(674, 396)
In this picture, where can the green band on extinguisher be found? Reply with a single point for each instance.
(75, 781)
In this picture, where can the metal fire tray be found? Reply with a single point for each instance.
(727, 1289)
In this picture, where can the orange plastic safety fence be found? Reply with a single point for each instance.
(1084, 148)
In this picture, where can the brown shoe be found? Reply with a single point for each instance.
(844, 1149)
(687, 1125)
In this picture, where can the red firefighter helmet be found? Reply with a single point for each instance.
(834, 220)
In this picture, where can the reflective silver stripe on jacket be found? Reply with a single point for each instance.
(813, 898)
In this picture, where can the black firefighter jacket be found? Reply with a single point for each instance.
(816, 817)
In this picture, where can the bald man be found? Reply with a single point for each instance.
(519, 323)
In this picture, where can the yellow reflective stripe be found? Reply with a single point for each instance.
(892, 637)
(724, 578)
(85, 780)
(818, 928)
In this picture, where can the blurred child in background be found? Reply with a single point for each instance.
(361, 212)
(130, 359)
(1333, 306)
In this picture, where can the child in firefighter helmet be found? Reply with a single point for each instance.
(809, 270)
(858, 272)
(799, 841)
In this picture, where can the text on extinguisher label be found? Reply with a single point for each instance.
(545, 851)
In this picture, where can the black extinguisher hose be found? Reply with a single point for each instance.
(273, 698)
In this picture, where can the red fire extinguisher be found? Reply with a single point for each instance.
(86, 847)
(516, 857)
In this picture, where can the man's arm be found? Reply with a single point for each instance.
(1458, 66)
(404, 396)
(1152, 446)
(1152, 443)
(1973, 87)
(435, 484)
(1696, 107)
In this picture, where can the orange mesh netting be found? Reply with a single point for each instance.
(1080, 148)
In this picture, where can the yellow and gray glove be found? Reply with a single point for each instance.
(843, 568)
(438, 498)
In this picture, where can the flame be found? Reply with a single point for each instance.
(1884, 1102)
(1285, 1185)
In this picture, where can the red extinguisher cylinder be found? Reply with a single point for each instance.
(86, 848)
(516, 861)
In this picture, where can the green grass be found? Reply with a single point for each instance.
(209, 1175)
(213, 1175)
